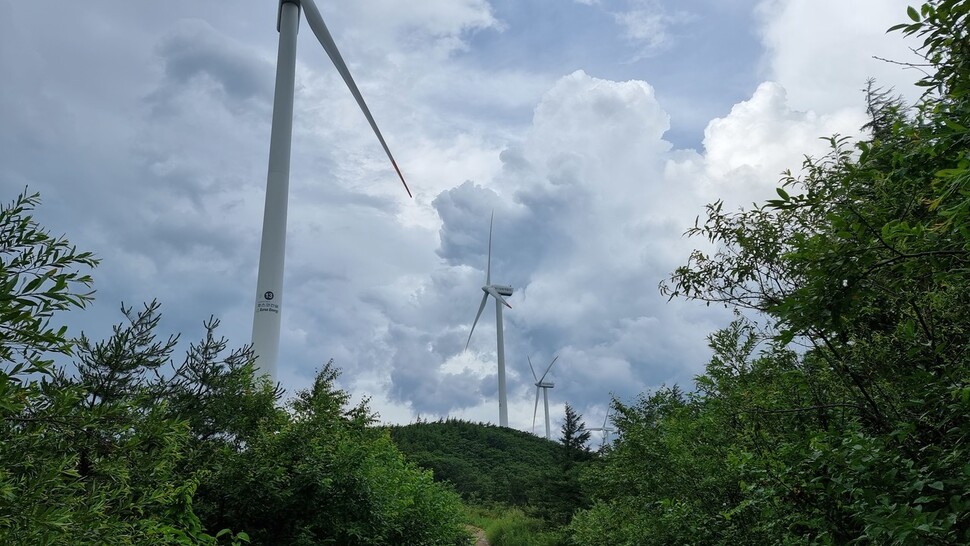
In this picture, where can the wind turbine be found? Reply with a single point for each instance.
(269, 282)
(496, 291)
(605, 429)
(544, 386)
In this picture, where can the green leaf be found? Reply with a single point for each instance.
(951, 124)
(913, 14)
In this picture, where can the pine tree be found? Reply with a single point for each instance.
(574, 437)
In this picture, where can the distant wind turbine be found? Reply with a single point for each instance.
(497, 292)
(269, 283)
(544, 386)
(604, 429)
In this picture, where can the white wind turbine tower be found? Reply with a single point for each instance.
(496, 291)
(605, 429)
(544, 386)
(269, 283)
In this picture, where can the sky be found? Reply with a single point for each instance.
(595, 130)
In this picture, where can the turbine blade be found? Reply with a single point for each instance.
(488, 267)
(535, 410)
(319, 28)
(550, 367)
(478, 316)
(497, 296)
(534, 376)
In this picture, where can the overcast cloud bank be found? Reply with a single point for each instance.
(154, 156)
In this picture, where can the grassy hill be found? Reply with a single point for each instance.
(483, 462)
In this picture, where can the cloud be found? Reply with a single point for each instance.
(589, 207)
(194, 50)
(434, 27)
(822, 53)
(647, 23)
(758, 137)
(587, 220)
(154, 155)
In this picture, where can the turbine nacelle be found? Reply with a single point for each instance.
(545, 385)
(504, 291)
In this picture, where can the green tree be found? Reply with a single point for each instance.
(39, 276)
(840, 416)
(672, 474)
(325, 476)
(135, 448)
(574, 437)
(49, 492)
(561, 493)
(319, 472)
(484, 463)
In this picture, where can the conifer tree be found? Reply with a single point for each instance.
(574, 437)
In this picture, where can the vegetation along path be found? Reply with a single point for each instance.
(479, 535)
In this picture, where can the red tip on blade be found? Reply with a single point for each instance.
(406, 188)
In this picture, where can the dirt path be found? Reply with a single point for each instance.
(479, 535)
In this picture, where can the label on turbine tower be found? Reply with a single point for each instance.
(267, 304)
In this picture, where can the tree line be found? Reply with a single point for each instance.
(836, 408)
(128, 445)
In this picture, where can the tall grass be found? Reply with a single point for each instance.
(508, 526)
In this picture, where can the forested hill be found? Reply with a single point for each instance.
(482, 461)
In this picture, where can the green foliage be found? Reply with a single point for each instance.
(574, 438)
(842, 419)
(71, 473)
(561, 492)
(484, 463)
(325, 476)
(39, 275)
(496, 466)
(510, 525)
(134, 448)
(664, 479)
